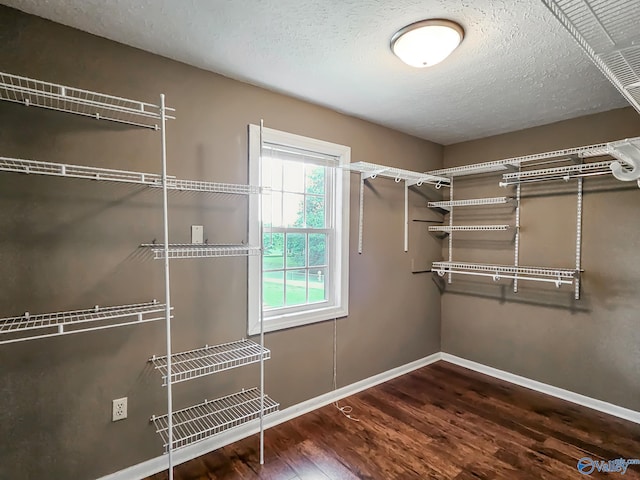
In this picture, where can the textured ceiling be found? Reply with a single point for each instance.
(516, 68)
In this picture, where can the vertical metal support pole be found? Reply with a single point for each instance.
(406, 216)
(361, 214)
(516, 259)
(451, 225)
(261, 306)
(167, 285)
(578, 241)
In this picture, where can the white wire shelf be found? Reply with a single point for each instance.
(210, 359)
(31, 327)
(556, 276)
(212, 417)
(468, 228)
(211, 187)
(472, 202)
(19, 165)
(557, 173)
(200, 250)
(608, 33)
(415, 178)
(587, 151)
(31, 92)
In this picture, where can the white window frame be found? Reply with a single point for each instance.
(338, 306)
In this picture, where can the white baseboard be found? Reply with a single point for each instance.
(573, 397)
(158, 464)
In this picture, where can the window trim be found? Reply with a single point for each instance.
(340, 308)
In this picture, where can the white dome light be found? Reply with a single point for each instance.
(426, 43)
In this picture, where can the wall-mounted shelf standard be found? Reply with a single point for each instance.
(200, 250)
(210, 418)
(607, 32)
(557, 173)
(372, 170)
(52, 96)
(209, 360)
(469, 228)
(556, 276)
(472, 202)
(31, 327)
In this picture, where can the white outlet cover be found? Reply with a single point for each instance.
(119, 409)
(197, 234)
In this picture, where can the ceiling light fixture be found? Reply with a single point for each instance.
(426, 43)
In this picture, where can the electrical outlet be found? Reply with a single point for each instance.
(119, 411)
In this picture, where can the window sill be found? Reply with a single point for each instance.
(290, 320)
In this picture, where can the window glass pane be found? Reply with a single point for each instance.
(296, 250)
(265, 174)
(273, 251)
(273, 289)
(315, 211)
(315, 179)
(293, 210)
(293, 178)
(317, 249)
(296, 286)
(272, 209)
(276, 174)
(318, 284)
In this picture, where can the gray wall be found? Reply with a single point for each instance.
(588, 346)
(68, 244)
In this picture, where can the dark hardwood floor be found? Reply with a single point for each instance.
(439, 422)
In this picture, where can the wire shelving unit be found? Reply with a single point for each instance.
(471, 202)
(372, 170)
(608, 33)
(210, 359)
(201, 250)
(184, 427)
(44, 325)
(556, 276)
(468, 228)
(53, 96)
(212, 417)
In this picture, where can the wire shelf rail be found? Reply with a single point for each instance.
(472, 202)
(210, 359)
(414, 178)
(19, 165)
(210, 418)
(200, 250)
(52, 96)
(587, 151)
(468, 228)
(557, 173)
(31, 327)
(556, 276)
(608, 33)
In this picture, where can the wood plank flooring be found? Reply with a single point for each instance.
(439, 422)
